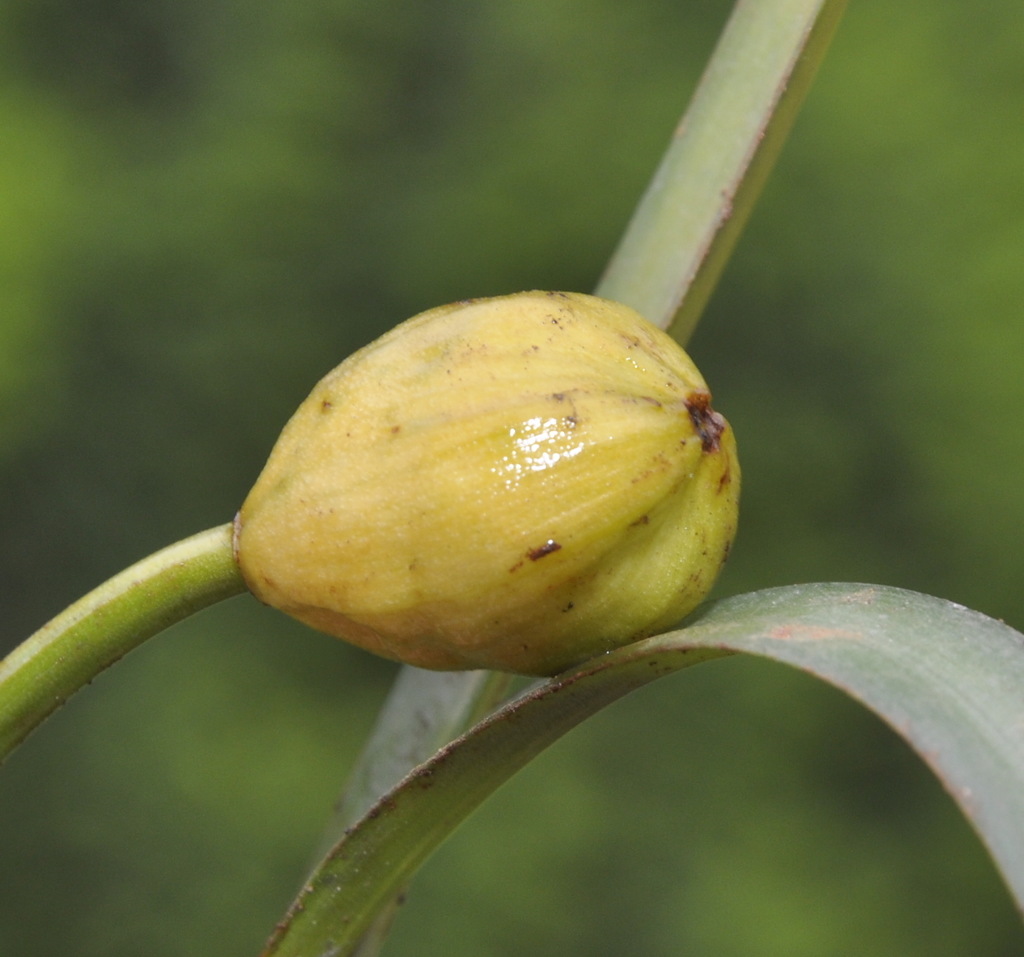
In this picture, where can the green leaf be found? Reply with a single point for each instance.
(949, 680)
(685, 228)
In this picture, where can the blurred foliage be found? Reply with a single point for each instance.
(207, 205)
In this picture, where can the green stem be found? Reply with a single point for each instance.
(90, 635)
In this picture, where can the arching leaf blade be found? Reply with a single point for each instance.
(949, 680)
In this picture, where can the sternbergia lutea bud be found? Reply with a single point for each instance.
(516, 483)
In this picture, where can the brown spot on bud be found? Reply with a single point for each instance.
(708, 423)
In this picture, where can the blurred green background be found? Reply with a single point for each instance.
(205, 204)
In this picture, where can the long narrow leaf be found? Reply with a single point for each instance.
(949, 680)
(700, 198)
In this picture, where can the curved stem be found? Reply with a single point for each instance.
(90, 635)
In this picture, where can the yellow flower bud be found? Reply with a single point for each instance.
(516, 483)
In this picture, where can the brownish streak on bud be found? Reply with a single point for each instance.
(541, 550)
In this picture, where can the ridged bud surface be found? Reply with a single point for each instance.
(516, 483)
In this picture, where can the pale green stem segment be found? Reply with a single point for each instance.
(684, 230)
(90, 635)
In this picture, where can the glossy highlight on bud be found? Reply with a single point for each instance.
(516, 483)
